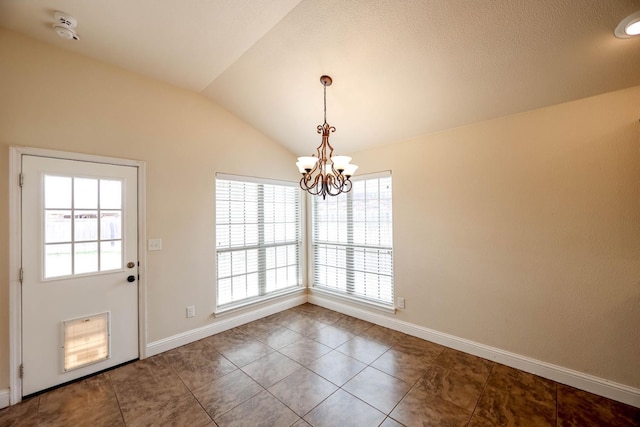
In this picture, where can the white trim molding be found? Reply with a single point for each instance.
(228, 322)
(314, 290)
(602, 387)
(259, 300)
(14, 392)
(15, 263)
(4, 398)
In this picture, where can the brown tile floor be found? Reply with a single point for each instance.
(312, 366)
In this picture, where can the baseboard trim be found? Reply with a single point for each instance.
(225, 323)
(619, 392)
(4, 398)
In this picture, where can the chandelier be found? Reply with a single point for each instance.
(326, 173)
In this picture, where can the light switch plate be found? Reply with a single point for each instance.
(154, 244)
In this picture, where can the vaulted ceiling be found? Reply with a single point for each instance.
(401, 68)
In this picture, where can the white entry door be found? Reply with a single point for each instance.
(80, 269)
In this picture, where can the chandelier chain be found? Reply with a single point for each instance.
(324, 85)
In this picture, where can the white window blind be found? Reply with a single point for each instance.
(352, 241)
(258, 239)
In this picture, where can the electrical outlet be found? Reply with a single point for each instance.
(400, 302)
(191, 311)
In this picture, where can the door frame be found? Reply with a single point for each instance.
(15, 253)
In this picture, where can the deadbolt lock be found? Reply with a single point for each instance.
(131, 264)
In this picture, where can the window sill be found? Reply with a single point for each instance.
(354, 300)
(257, 301)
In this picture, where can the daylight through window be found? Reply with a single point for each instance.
(258, 238)
(352, 241)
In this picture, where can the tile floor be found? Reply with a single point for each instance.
(312, 366)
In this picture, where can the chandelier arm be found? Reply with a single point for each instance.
(347, 185)
(342, 184)
(315, 168)
(309, 182)
(333, 193)
(325, 129)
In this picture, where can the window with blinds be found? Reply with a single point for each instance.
(258, 239)
(352, 241)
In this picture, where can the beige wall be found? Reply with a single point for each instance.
(523, 233)
(57, 100)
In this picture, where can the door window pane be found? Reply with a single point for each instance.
(85, 193)
(110, 225)
(110, 194)
(86, 257)
(85, 225)
(57, 260)
(92, 231)
(57, 226)
(57, 192)
(111, 255)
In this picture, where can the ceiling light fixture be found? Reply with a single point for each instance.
(325, 174)
(629, 26)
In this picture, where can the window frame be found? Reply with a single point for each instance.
(261, 246)
(313, 244)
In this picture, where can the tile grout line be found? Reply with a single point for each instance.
(326, 379)
(187, 387)
(191, 391)
(113, 388)
(370, 365)
(301, 417)
(412, 386)
(557, 405)
(484, 387)
(38, 412)
(307, 335)
(228, 373)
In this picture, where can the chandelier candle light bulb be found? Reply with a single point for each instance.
(325, 174)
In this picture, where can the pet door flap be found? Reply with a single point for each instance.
(86, 341)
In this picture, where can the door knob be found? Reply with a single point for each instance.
(131, 279)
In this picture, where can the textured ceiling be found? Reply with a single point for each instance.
(400, 68)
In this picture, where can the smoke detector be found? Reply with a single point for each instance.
(64, 26)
